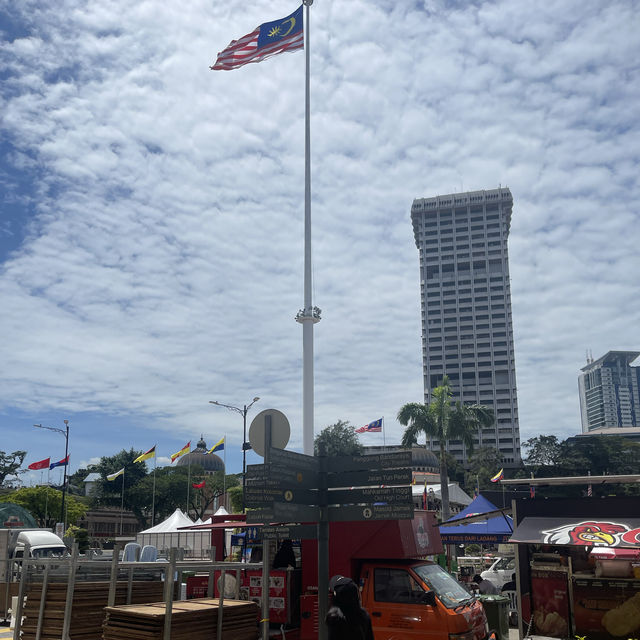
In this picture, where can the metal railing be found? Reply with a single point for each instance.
(73, 569)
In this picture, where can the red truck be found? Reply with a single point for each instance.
(407, 596)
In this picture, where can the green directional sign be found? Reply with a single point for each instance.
(290, 532)
(262, 495)
(293, 460)
(283, 512)
(378, 461)
(368, 478)
(351, 513)
(262, 473)
(390, 495)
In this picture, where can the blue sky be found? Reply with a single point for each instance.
(151, 222)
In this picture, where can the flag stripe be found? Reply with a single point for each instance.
(245, 50)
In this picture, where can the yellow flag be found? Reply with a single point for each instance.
(145, 456)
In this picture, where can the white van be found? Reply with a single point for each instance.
(42, 544)
(500, 572)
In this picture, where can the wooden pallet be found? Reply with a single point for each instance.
(190, 620)
(87, 613)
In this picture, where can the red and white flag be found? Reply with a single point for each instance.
(41, 464)
(265, 41)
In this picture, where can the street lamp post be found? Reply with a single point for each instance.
(65, 433)
(243, 412)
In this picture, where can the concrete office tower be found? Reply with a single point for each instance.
(466, 308)
(609, 392)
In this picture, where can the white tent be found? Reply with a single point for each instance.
(456, 495)
(168, 534)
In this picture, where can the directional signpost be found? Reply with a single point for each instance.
(291, 532)
(368, 478)
(292, 488)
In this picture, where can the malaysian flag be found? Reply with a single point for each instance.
(376, 425)
(265, 41)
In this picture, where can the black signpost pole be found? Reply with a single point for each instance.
(266, 544)
(323, 546)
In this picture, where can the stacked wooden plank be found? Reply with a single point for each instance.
(87, 614)
(190, 620)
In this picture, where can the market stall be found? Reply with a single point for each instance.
(576, 573)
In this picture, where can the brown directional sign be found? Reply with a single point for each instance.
(262, 495)
(283, 512)
(390, 495)
(261, 473)
(291, 532)
(378, 461)
(366, 478)
(350, 513)
(293, 460)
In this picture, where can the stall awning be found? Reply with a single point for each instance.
(595, 532)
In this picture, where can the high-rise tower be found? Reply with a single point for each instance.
(466, 308)
(610, 392)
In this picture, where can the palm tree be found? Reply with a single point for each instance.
(445, 421)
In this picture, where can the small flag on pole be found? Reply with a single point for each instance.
(424, 496)
(218, 446)
(113, 476)
(199, 486)
(265, 41)
(532, 491)
(61, 463)
(499, 476)
(42, 464)
(374, 426)
(185, 449)
(589, 491)
(145, 456)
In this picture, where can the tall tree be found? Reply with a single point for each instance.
(44, 504)
(445, 421)
(340, 439)
(542, 450)
(483, 465)
(214, 487)
(10, 463)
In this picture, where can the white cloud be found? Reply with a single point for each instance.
(163, 265)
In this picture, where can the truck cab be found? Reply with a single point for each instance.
(419, 600)
(41, 543)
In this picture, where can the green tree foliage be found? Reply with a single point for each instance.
(10, 463)
(597, 455)
(79, 535)
(542, 451)
(44, 504)
(201, 499)
(340, 439)
(445, 421)
(484, 463)
(108, 493)
(235, 498)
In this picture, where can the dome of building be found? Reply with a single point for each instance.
(423, 459)
(210, 462)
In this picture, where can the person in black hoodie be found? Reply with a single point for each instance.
(346, 619)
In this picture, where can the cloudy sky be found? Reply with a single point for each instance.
(151, 227)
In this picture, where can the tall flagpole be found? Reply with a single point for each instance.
(384, 437)
(153, 498)
(310, 314)
(224, 473)
(188, 486)
(122, 503)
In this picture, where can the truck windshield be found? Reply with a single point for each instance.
(451, 593)
(49, 552)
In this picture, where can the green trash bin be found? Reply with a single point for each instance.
(497, 610)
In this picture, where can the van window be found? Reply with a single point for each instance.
(396, 585)
(49, 552)
(505, 563)
(450, 592)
